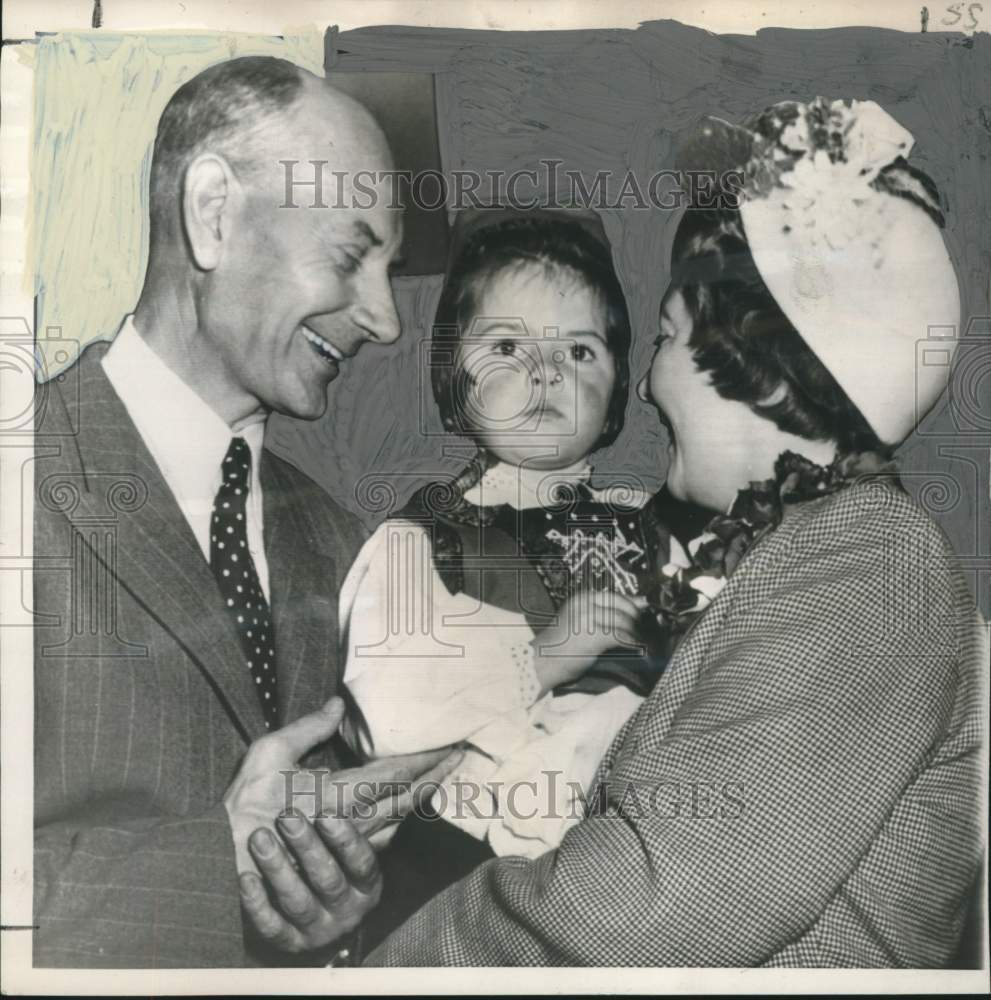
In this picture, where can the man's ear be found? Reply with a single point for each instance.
(208, 195)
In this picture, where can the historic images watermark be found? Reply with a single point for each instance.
(312, 184)
(548, 795)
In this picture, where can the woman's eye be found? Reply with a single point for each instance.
(505, 347)
(582, 352)
(660, 339)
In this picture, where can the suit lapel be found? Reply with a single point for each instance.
(157, 559)
(303, 597)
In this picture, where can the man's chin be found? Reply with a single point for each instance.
(311, 408)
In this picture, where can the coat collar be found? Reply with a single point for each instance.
(304, 596)
(109, 482)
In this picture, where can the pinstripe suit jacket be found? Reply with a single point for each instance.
(801, 789)
(143, 705)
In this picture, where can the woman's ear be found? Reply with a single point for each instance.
(207, 195)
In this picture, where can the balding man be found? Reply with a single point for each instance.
(188, 661)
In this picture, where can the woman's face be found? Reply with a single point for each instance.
(708, 434)
(541, 370)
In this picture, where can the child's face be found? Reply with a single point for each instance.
(542, 372)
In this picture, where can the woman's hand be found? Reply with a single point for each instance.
(588, 624)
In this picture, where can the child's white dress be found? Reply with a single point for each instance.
(430, 668)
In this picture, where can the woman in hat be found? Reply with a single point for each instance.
(802, 786)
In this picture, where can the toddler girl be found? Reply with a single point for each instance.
(506, 609)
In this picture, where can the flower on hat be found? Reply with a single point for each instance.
(827, 154)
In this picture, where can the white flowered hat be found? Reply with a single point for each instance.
(847, 239)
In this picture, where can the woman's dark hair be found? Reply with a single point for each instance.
(747, 345)
(557, 244)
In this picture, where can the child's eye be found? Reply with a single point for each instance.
(582, 352)
(505, 347)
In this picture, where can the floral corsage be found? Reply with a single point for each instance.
(681, 593)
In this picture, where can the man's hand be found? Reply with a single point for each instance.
(320, 880)
(317, 890)
(588, 624)
(258, 792)
(374, 796)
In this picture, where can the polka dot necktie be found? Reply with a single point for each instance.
(235, 571)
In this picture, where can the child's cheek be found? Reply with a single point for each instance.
(502, 396)
(595, 385)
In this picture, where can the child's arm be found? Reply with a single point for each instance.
(588, 624)
(429, 668)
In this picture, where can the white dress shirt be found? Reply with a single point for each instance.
(186, 438)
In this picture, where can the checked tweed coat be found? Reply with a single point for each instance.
(802, 788)
(143, 705)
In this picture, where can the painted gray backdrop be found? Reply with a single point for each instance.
(619, 100)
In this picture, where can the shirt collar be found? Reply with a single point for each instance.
(187, 438)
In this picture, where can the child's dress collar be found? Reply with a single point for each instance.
(524, 487)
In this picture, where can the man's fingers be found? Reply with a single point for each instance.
(401, 767)
(427, 785)
(308, 730)
(336, 884)
(388, 813)
(384, 794)
(381, 839)
(415, 765)
(263, 917)
(405, 797)
(293, 897)
(318, 865)
(353, 853)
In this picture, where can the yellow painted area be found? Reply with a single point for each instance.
(97, 100)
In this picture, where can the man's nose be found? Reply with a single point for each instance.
(375, 311)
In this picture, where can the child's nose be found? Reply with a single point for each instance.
(556, 366)
(550, 366)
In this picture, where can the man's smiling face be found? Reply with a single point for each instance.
(300, 289)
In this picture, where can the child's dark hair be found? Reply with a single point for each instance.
(748, 346)
(555, 243)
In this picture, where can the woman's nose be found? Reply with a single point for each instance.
(643, 390)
